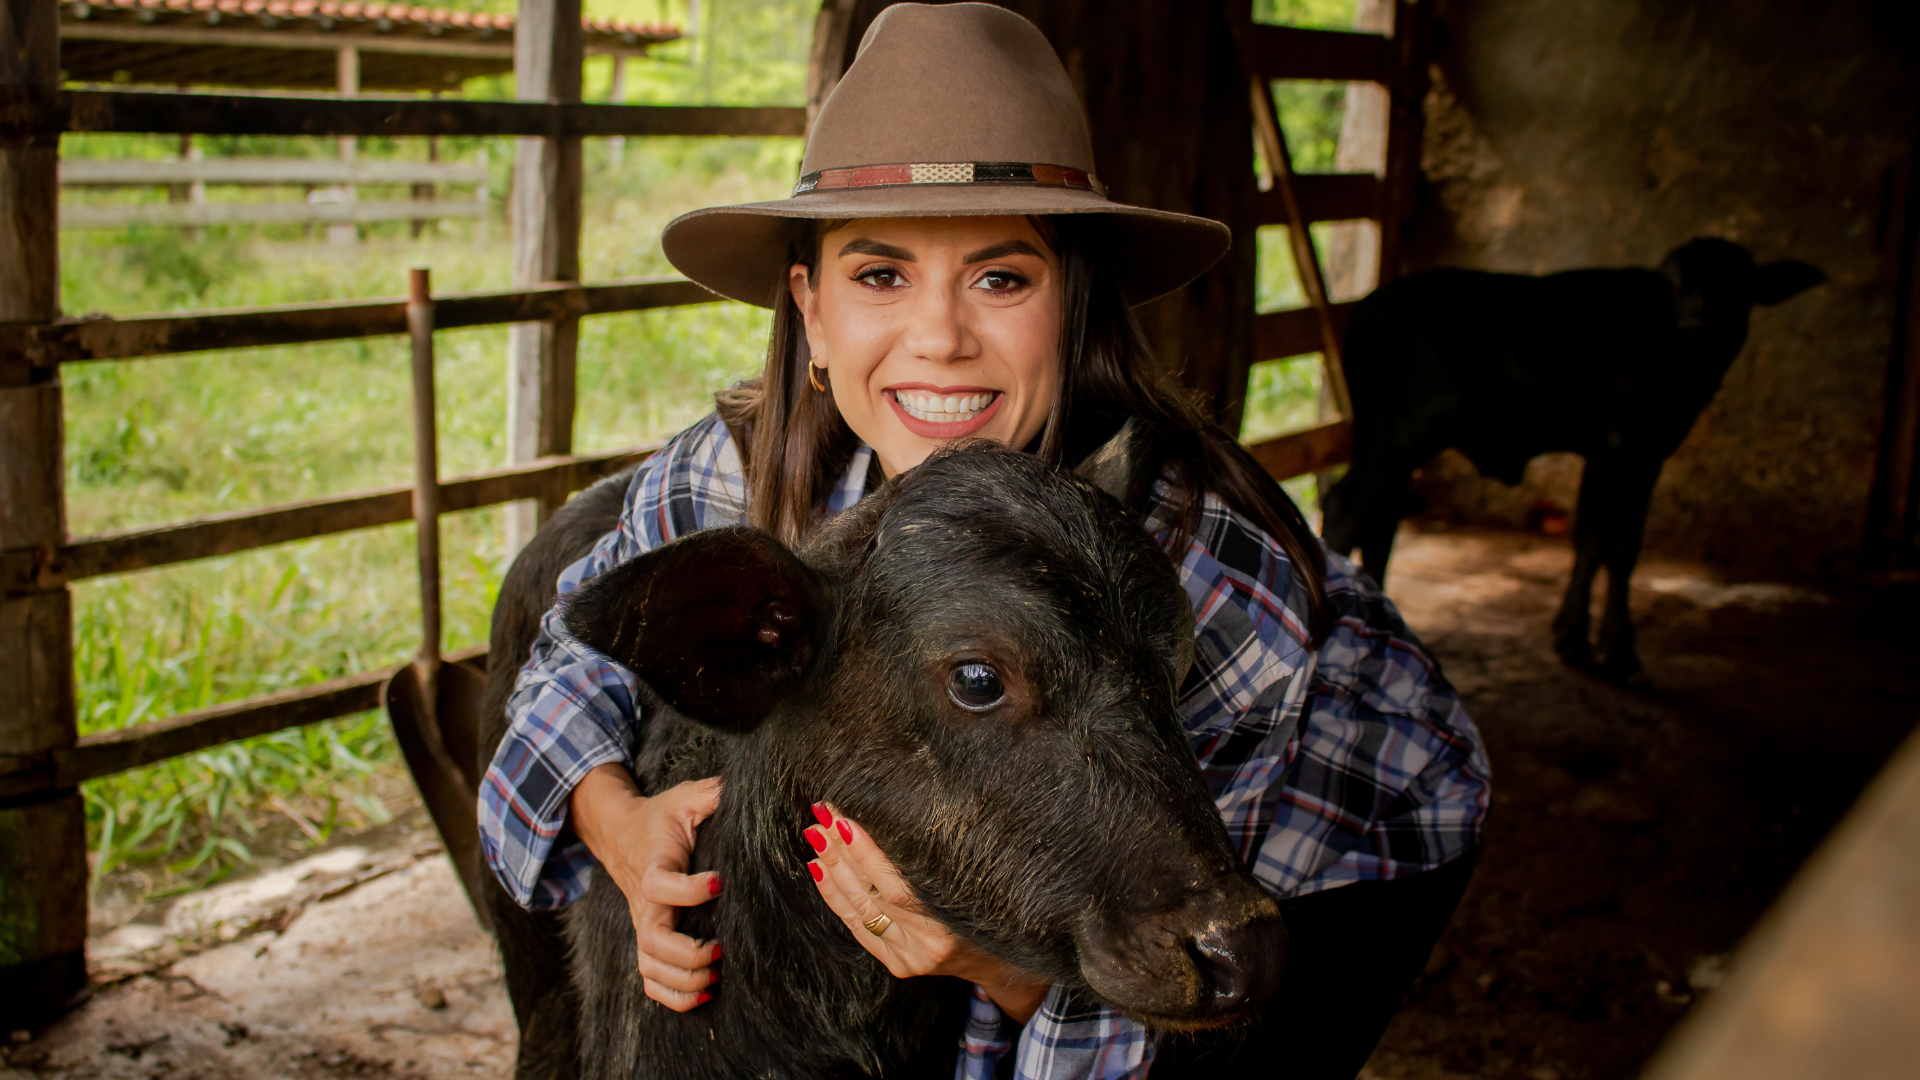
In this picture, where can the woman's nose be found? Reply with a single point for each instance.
(938, 329)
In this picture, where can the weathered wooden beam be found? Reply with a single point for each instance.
(548, 175)
(241, 213)
(22, 570)
(1294, 332)
(73, 340)
(1309, 450)
(230, 36)
(1291, 52)
(1406, 127)
(43, 839)
(1325, 197)
(135, 172)
(1827, 987)
(159, 112)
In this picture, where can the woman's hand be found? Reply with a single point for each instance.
(645, 845)
(861, 885)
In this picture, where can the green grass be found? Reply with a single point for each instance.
(153, 441)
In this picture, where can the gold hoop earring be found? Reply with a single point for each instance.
(813, 377)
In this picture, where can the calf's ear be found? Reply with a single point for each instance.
(1783, 280)
(721, 624)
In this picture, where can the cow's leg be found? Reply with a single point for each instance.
(1571, 625)
(1363, 510)
(1632, 491)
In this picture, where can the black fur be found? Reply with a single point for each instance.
(1066, 830)
(1613, 365)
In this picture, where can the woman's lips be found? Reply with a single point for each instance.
(927, 429)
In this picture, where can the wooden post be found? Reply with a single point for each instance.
(43, 844)
(617, 95)
(546, 247)
(426, 478)
(1306, 262)
(346, 70)
(1406, 123)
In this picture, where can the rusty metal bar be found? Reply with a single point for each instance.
(426, 469)
(22, 570)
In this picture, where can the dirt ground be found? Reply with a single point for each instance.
(1636, 835)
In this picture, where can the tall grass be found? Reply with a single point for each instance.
(153, 441)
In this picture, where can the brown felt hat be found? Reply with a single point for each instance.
(949, 110)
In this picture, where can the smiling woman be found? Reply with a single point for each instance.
(933, 329)
(949, 268)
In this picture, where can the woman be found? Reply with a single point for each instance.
(948, 268)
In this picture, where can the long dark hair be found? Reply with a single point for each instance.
(795, 446)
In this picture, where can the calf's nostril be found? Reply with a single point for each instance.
(1242, 965)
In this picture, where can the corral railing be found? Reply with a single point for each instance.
(43, 868)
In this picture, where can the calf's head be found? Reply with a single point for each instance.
(1716, 282)
(980, 664)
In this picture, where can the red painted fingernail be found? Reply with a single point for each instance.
(818, 874)
(822, 815)
(715, 978)
(713, 885)
(817, 838)
(703, 998)
(716, 952)
(846, 833)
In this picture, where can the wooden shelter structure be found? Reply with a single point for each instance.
(1173, 92)
(302, 44)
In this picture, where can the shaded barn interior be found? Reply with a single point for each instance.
(1606, 133)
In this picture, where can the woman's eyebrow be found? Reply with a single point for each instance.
(864, 246)
(1010, 247)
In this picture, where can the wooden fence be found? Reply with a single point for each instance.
(334, 177)
(42, 757)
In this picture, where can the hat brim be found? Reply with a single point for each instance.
(742, 251)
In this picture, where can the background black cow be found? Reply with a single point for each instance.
(825, 676)
(1613, 365)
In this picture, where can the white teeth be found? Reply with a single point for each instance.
(942, 409)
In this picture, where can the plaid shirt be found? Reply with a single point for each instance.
(1354, 762)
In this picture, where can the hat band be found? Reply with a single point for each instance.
(960, 172)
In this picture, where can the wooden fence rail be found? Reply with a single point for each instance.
(227, 534)
(102, 338)
(141, 172)
(137, 111)
(269, 213)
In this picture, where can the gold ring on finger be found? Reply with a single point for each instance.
(878, 925)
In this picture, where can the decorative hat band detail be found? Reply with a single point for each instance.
(957, 172)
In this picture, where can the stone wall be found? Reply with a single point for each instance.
(1604, 133)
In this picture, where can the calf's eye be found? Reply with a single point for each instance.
(975, 686)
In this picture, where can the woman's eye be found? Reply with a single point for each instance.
(880, 277)
(975, 686)
(999, 281)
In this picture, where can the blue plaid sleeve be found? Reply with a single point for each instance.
(572, 709)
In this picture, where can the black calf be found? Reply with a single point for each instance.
(1613, 365)
(1054, 819)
